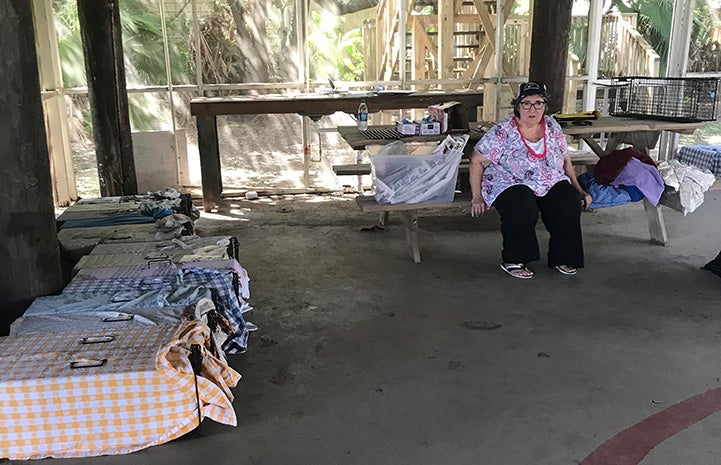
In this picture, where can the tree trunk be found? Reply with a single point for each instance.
(549, 47)
(252, 44)
(29, 246)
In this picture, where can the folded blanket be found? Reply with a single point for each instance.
(609, 166)
(645, 177)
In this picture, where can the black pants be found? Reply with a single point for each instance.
(560, 212)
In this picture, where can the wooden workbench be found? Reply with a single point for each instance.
(207, 109)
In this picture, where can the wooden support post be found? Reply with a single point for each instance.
(419, 40)
(656, 224)
(383, 218)
(29, 245)
(595, 16)
(211, 179)
(103, 47)
(446, 39)
(410, 221)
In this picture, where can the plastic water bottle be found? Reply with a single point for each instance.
(362, 116)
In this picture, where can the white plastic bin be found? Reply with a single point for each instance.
(425, 173)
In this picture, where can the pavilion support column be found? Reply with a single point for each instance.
(446, 39)
(549, 47)
(28, 239)
(100, 32)
(679, 44)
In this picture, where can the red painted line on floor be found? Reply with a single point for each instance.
(630, 446)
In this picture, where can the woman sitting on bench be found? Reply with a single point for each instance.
(522, 167)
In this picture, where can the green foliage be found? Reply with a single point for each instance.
(654, 23)
(143, 44)
(350, 67)
(521, 8)
(704, 53)
(70, 47)
(333, 52)
(578, 41)
(142, 48)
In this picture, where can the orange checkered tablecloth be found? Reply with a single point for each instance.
(98, 392)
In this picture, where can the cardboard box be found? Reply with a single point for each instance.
(450, 115)
(418, 129)
(407, 129)
(429, 128)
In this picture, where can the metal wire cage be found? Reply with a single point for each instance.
(672, 99)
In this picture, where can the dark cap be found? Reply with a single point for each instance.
(532, 88)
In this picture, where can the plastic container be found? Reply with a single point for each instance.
(423, 173)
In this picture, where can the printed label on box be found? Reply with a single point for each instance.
(407, 129)
(430, 128)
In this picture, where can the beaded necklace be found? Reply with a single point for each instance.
(530, 150)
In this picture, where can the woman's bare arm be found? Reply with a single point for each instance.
(478, 163)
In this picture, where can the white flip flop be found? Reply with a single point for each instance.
(567, 270)
(513, 268)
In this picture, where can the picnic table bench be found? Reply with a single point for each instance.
(585, 160)
(408, 213)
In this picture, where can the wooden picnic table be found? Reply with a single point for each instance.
(385, 134)
(642, 134)
(621, 129)
(358, 140)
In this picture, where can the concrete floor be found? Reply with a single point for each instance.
(364, 357)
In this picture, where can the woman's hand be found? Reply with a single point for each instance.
(478, 206)
(586, 199)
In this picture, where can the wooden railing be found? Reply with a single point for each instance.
(573, 69)
(624, 52)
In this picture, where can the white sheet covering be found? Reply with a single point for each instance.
(689, 181)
